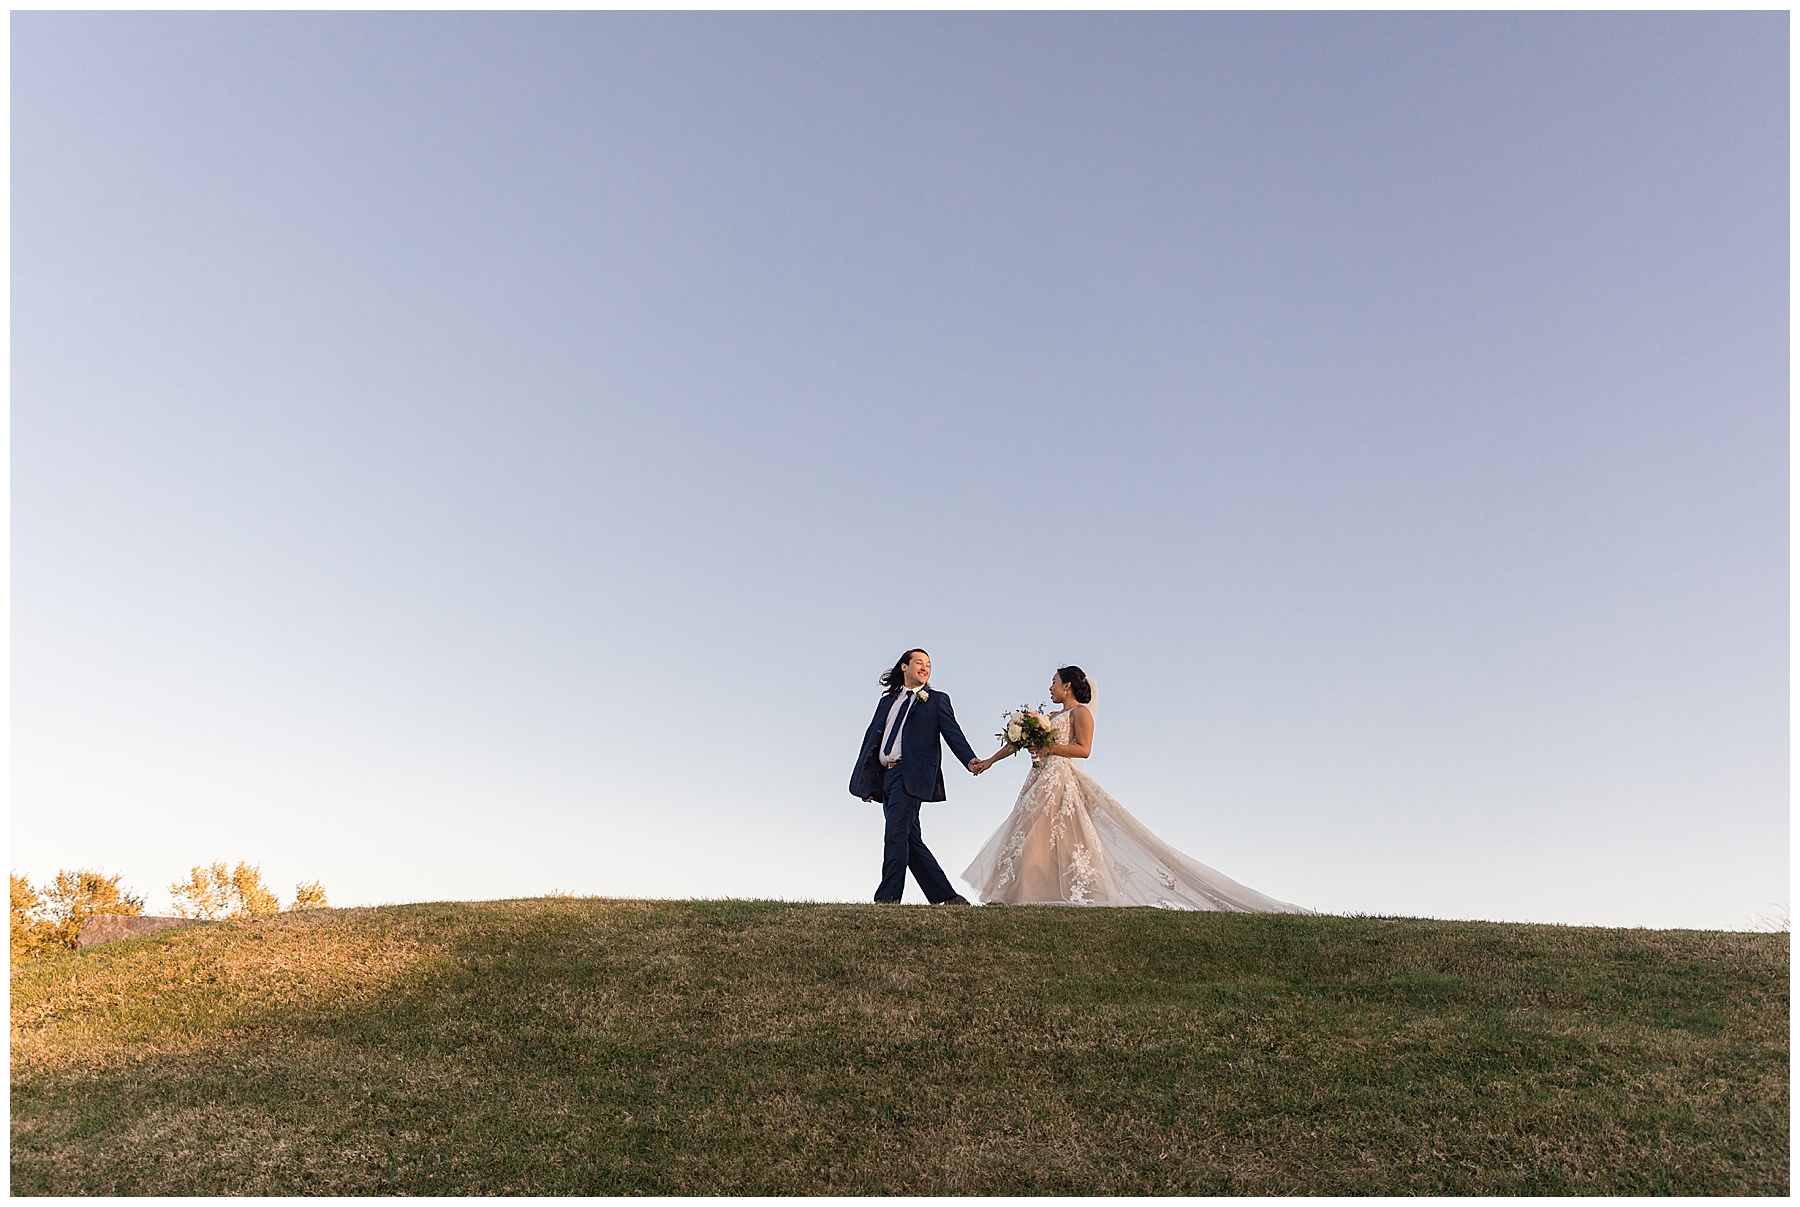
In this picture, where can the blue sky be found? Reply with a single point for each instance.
(461, 456)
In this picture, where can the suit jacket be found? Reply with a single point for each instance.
(920, 755)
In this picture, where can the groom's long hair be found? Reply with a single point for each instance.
(894, 678)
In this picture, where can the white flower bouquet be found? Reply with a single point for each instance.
(1028, 729)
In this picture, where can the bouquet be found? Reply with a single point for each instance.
(1028, 729)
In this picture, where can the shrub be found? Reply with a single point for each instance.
(214, 891)
(310, 895)
(30, 929)
(50, 919)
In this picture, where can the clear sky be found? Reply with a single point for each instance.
(464, 456)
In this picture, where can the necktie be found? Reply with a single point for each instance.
(898, 722)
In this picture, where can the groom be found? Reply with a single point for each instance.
(899, 766)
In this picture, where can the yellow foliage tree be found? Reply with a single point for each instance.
(30, 929)
(310, 895)
(254, 898)
(213, 892)
(50, 920)
(71, 898)
(206, 893)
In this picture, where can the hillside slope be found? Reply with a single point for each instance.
(587, 1046)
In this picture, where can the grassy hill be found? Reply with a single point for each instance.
(586, 1046)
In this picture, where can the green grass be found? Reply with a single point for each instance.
(597, 1047)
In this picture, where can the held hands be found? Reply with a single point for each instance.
(1005, 752)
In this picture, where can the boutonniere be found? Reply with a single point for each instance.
(924, 695)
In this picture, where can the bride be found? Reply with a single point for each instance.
(1069, 843)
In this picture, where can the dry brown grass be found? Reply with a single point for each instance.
(583, 1046)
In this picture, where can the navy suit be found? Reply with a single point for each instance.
(918, 777)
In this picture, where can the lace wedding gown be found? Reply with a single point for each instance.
(1068, 842)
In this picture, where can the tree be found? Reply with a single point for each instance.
(206, 893)
(30, 929)
(50, 920)
(213, 892)
(309, 896)
(254, 898)
(73, 897)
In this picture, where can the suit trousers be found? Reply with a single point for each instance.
(904, 848)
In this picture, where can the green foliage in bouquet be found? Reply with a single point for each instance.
(1028, 729)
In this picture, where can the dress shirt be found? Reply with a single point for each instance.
(893, 756)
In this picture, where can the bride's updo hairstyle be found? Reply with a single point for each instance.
(894, 678)
(1076, 680)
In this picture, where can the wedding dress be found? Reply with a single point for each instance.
(1067, 842)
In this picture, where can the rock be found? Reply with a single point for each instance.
(105, 928)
